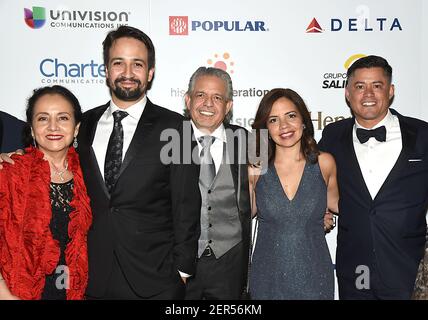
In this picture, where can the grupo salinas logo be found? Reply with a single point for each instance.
(182, 25)
(62, 17)
(356, 24)
(56, 71)
(338, 80)
(35, 18)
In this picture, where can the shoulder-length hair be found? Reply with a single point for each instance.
(309, 146)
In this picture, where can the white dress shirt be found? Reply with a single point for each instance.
(217, 147)
(376, 159)
(105, 128)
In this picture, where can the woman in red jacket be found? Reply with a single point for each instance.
(44, 207)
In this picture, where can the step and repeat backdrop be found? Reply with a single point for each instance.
(306, 46)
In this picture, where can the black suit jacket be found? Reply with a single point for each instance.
(11, 132)
(151, 221)
(389, 231)
(239, 169)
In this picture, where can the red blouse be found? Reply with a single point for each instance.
(28, 251)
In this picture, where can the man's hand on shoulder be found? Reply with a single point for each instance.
(6, 157)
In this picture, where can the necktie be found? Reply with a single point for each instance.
(364, 135)
(113, 159)
(207, 172)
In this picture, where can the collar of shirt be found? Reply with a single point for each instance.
(219, 133)
(135, 111)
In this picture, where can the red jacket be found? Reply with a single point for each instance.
(28, 251)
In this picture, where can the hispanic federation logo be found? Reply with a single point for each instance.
(35, 19)
(222, 62)
(179, 25)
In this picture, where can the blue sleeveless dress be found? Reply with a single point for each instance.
(291, 260)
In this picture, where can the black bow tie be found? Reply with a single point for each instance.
(364, 135)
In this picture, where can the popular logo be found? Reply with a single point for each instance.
(182, 25)
(178, 25)
(35, 19)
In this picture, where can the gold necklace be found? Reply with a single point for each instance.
(60, 173)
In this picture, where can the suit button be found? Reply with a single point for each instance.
(210, 225)
(210, 241)
(209, 208)
(209, 191)
(373, 212)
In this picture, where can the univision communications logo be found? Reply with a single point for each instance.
(36, 18)
(66, 18)
(181, 25)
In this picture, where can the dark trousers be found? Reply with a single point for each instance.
(377, 290)
(120, 289)
(218, 279)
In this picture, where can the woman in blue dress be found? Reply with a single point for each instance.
(291, 258)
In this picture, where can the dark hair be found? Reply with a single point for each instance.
(309, 146)
(215, 72)
(370, 62)
(128, 32)
(40, 92)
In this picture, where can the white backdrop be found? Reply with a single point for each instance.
(262, 44)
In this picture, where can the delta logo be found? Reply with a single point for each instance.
(35, 18)
(357, 24)
(181, 26)
(314, 27)
(338, 80)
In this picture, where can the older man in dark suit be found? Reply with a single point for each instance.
(382, 171)
(223, 248)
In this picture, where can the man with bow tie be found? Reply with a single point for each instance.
(382, 172)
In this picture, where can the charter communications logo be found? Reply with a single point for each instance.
(67, 18)
(181, 26)
(357, 24)
(55, 71)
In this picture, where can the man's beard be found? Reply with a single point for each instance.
(127, 94)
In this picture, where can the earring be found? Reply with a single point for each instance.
(303, 126)
(34, 139)
(75, 143)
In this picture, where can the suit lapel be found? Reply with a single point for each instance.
(144, 127)
(408, 138)
(93, 164)
(233, 151)
(352, 160)
(232, 155)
